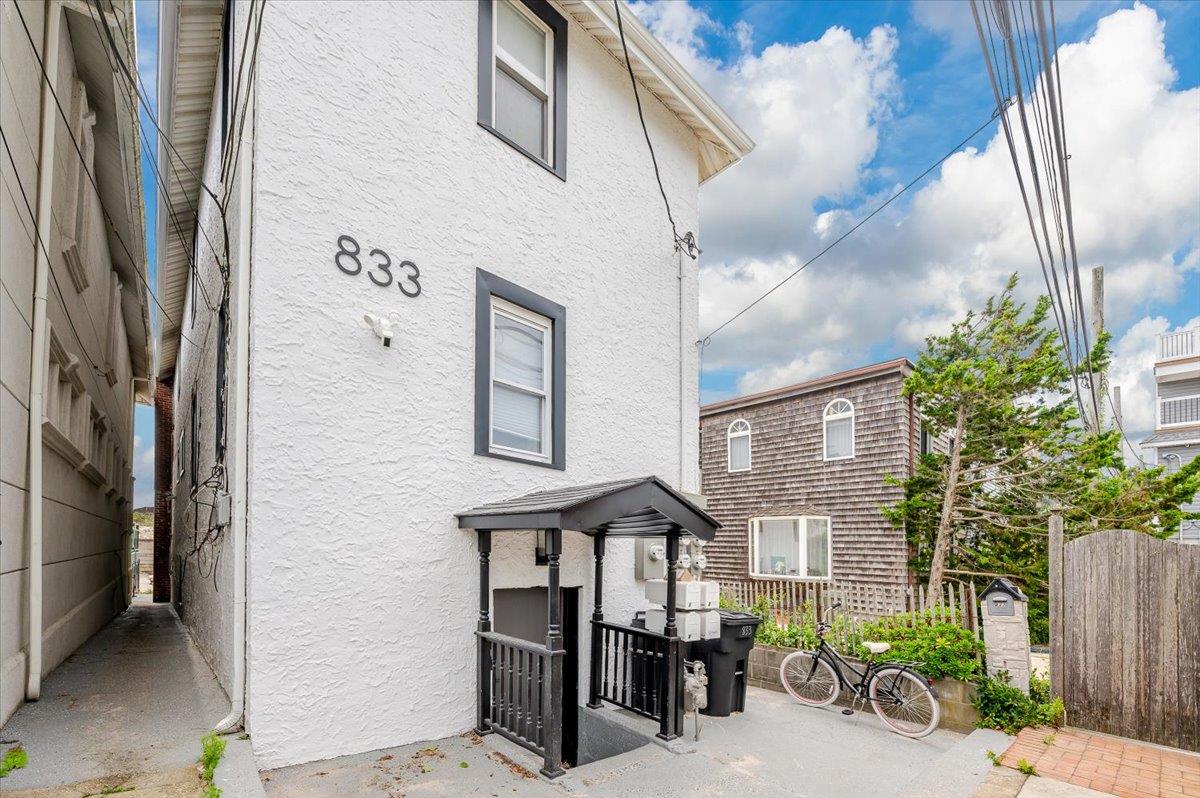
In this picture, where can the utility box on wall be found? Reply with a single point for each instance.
(1005, 612)
(650, 558)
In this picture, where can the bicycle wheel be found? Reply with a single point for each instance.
(904, 702)
(809, 679)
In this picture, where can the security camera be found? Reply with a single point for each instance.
(382, 327)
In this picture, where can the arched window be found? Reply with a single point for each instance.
(738, 440)
(839, 430)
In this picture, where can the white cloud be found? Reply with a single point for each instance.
(143, 471)
(814, 108)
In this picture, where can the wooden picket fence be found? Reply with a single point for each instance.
(790, 601)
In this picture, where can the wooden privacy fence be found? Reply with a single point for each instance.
(789, 599)
(1125, 635)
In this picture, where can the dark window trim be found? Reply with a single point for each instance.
(488, 285)
(487, 64)
(226, 71)
(194, 441)
(222, 341)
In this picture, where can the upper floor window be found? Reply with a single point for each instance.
(738, 441)
(795, 547)
(839, 430)
(520, 372)
(523, 78)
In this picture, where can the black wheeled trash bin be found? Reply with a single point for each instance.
(724, 660)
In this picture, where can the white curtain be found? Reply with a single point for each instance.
(816, 547)
(839, 437)
(739, 453)
(778, 547)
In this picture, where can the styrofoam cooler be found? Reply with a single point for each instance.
(689, 624)
(688, 595)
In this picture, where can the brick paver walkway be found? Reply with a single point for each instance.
(1108, 764)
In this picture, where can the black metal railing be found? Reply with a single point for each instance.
(518, 704)
(638, 670)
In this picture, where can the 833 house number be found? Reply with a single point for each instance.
(350, 260)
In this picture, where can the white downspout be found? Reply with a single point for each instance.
(241, 419)
(37, 362)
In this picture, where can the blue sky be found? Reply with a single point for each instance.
(851, 100)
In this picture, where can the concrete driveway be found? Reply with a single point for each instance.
(775, 748)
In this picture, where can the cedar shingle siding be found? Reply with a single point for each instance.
(790, 476)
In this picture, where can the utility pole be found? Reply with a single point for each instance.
(1099, 380)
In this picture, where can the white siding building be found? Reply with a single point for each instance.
(1176, 438)
(474, 178)
(74, 332)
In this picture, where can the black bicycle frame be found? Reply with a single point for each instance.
(867, 675)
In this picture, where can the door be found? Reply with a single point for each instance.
(521, 612)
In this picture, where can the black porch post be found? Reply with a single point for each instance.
(671, 720)
(597, 617)
(483, 696)
(552, 695)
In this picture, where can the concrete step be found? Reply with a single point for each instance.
(960, 769)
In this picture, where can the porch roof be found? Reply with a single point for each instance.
(637, 507)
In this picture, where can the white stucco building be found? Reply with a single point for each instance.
(475, 177)
(74, 331)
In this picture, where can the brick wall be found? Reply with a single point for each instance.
(789, 476)
(164, 457)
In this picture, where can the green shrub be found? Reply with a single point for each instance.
(1004, 707)
(945, 650)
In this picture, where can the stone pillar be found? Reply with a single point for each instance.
(1005, 613)
(164, 483)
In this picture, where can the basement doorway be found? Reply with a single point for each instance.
(521, 612)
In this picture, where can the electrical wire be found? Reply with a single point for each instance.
(686, 243)
(707, 338)
(88, 171)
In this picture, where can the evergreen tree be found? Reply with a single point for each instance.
(997, 394)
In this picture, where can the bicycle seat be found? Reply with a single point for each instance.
(876, 648)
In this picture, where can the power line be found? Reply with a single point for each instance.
(686, 244)
(88, 171)
(109, 51)
(705, 340)
(37, 237)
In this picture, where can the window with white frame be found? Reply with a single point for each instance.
(520, 374)
(791, 547)
(522, 47)
(521, 381)
(839, 430)
(737, 439)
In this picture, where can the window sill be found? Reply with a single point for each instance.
(789, 578)
(837, 459)
(561, 175)
(526, 460)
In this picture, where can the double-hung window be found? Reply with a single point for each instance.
(521, 381)
(737, 439)
(522, 78)
(839, 430)
(791, 547)
(520, 373)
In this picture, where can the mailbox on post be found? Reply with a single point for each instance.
(1006, 631)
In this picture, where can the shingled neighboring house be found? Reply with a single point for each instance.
(796, 476)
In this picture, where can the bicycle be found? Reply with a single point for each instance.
(902, 698)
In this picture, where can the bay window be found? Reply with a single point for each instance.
(791, 547)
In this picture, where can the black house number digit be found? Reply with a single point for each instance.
(348, 260)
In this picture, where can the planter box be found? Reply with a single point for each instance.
(954, 696)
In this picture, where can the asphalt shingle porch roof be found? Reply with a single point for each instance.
(637, 507)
